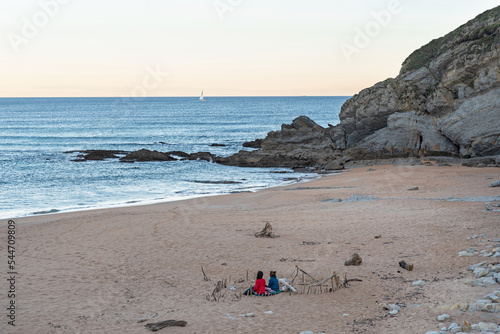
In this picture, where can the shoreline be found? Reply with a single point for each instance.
(138, 203)
(306, 177)
(101, 271)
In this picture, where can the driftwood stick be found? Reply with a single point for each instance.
(354, 280)
(314, 280)
(296, 274)
(322, 281)
(205, 278)
(336, 278)
(162, 324)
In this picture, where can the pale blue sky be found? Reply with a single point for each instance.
(226, 47)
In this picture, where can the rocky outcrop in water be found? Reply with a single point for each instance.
(444, 102)
(142, 155)
(147, 155)
(303, 143)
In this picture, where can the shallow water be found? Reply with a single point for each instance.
(37, 176)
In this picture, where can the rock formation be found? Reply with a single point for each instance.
(303, 143)
(444, 102)
(147, 155)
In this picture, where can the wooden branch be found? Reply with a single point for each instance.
(354, 280)
(314, 280)
(287, 285)
(162, 324)
(323, 281)
(205, 278)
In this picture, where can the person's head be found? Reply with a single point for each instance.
(260, 274)
(272, 274)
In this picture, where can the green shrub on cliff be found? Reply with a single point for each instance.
(480, 39)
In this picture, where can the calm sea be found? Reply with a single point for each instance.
(37, 176)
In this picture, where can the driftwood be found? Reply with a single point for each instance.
(162, 324)
(289, 286)
(267, 232)
(205, 278)
(323, 281)
(405, 265)
(218, 292)
(298, 269)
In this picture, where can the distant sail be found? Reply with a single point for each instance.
(201, 97)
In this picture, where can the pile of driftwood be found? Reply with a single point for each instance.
(312, 285)
(267, 232)
(221, 291)
(302, 283)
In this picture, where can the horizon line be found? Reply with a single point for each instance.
(145, 97)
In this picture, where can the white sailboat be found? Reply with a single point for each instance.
(201, 97)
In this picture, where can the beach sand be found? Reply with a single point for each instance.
(102, 271)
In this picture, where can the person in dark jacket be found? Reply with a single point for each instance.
(273, 284)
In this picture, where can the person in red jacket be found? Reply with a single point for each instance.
(260, 284)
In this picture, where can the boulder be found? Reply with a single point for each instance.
(100, 154)
(300, 144)
(495, 184)
(353, 260)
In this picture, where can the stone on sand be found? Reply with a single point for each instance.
(353, 260)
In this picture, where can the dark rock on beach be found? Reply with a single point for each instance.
(353, 260)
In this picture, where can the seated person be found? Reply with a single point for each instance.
(273, 284)
(260, 284)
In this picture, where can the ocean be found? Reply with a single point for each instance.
(38, 176)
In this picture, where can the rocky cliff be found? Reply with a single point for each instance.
(444, 102)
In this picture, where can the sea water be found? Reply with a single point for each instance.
(38, 176)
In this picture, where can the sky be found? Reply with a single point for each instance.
(66, 48)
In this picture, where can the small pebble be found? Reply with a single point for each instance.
(443, 317)
(418, 283)
(249, 315)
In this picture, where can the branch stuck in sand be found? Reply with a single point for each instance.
(267, 232)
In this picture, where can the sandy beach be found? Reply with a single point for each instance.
(102, 271)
